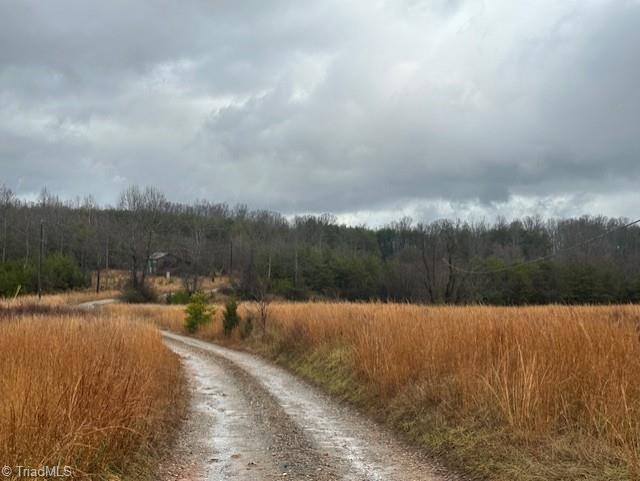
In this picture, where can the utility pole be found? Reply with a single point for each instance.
(40, 259)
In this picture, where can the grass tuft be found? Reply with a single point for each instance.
(91, 392)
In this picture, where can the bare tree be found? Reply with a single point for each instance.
(440, 253)
(7, 199)
(144, 210)
(193, 253)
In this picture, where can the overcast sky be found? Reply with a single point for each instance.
(370, 109)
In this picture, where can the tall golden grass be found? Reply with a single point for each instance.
(532, 370)
(92, 392)
(68, 298)
(172, 317)
(537, 369)
(116, 280)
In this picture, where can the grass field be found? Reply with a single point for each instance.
(505, 393)
(116, 280)
(69, 298)
(98, 393)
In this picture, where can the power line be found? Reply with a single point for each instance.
(543, 258)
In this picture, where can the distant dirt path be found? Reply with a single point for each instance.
(251, 420)
(95, 304)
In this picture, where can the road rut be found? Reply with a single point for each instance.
(252, 420)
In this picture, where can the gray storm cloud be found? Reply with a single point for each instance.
(366, 109)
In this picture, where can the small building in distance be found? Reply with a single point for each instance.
(165, 264)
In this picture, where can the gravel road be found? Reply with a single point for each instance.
(251, 420)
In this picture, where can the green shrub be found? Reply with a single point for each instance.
(297, 294)
(61, 273)
(198, 313)
(14, 274)
(139, 295)
(179, 297)
(230, 319)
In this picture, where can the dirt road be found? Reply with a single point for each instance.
(251, 420)
(95, 304)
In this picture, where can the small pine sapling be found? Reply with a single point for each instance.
(198, 313)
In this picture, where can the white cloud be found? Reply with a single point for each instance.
(368, 109)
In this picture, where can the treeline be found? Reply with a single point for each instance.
(57, 273)
(587, 260)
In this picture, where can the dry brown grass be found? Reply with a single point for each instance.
(94, 392)
(535, 368)
(64, 298)
(169, 317)
(163, 285)
(117, 280)
(533, 372)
